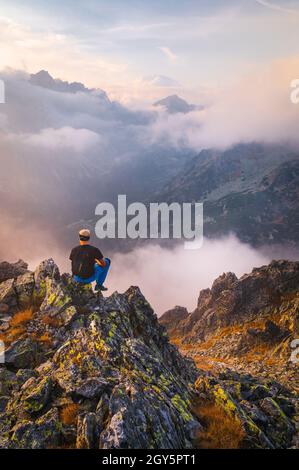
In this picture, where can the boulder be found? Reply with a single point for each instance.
(86, 431)
(22, 354)
(57, 302)
(24, 287)
(36, 394)
(12, 270)
(46, 270)
(8, 295)
(42, 434)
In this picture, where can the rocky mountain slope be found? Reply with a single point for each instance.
(249, 189)
(244, 326)
(109, 358)
(86, 371)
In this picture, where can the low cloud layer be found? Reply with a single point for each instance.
(175, 277)
(166, 277)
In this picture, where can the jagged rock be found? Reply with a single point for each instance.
(44, 433)
(271, 333)
(280, 429)
(8, 294)
(86, 434)
(36, 394)
(8, 381)
(12, 270)
(46, 270)
(170, 318)
(24, 286)
(22, 353)
(231, 300)
(82, 295)
(57, 303)
(92, 388)
(25, 374)
(222, 283)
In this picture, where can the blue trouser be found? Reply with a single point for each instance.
(99, 274)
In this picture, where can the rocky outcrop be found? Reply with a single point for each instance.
(265, 408)
(232, 301)
(108, 357)
(12, 270)
(241, 333)
(88, 372)
(172, 317)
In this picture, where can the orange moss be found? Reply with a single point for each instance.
(221, 431)
(69, 413)
(12, 334)
(22, 317)
(44, 338)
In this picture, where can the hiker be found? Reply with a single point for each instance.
(88, 263)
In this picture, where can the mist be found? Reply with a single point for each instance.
(256, 107)
(169, 277)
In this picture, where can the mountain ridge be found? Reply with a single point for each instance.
(86, 371)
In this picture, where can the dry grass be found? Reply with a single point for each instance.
(22, 317)
(208, 362)
(42, 338)
(12, 334)
(221, 431)
(69, 414)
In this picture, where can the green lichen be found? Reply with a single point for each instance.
(182, 407)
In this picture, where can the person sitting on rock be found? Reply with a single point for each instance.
(88, 263)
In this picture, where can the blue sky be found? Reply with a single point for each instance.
(115, 44)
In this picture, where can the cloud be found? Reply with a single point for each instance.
(77, 140)
(26, 48)
(255, 108)
(274, 6)
(130, 29)
(169, 54)
(167, 277)
(175, 277)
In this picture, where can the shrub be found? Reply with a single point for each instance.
(12, 334)
(69, 413)
(221, 430)
(22, 317)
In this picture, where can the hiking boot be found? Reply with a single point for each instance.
(98, 287)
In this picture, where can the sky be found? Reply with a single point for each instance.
(138, 48)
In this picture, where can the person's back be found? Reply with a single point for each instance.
(88, 263)
(83, 259)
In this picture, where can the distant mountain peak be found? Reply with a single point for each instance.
(45, 80)
(175, 104)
